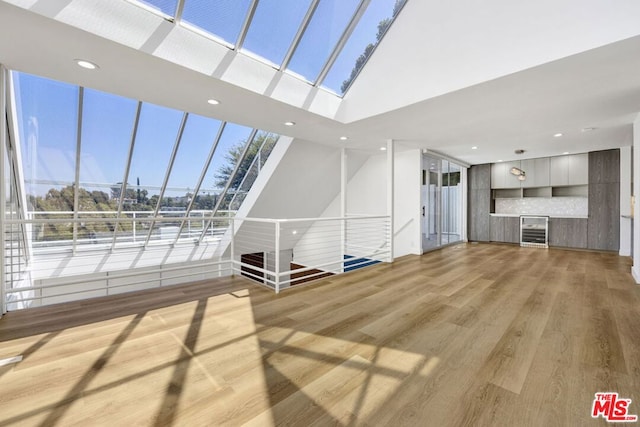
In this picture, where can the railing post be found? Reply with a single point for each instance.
(232, 226)
(134, 227)
(390, 194)
(277, 258)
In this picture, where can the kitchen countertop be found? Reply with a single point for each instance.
(550, 216)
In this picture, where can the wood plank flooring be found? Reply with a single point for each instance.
(472, 335)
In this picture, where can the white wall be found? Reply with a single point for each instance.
(626, 237)
(367, 195)
(635, 271)
(407, 203)
(440, 47)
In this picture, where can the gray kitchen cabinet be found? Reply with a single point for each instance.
(501, 176)
(536, 172)
(512, 229)
(479, 205)
(604, 200)
(568, 232)
(604, 167)
(579, 169)
(497, 228)
(505, 229)
(559, 171)
(572, 169)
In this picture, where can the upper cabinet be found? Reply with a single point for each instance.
(547, 176)
(536, 172)
(569, 170)
(501, 176)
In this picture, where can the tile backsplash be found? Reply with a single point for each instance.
(565, 206)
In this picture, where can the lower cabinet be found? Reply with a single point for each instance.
(568, 232)
(563, 232)
(505, 229)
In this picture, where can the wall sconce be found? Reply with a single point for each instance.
(519, 173)
(516, 171)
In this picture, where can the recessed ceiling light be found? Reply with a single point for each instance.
(589, 129)
(213, 101)
(294, 232)
(383, 148)
(566, 152)
(289, 123)
(86, 64)
(343, 138)
(474, 148)
(557, 135)
(499, 161)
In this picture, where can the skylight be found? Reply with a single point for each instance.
(366, 36)
(286, 16)
(321, 36)
(167, 7)
(324, 42)
(222, 18)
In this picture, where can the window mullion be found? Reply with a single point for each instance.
(123, 188)
(201, 179)
(167, 175)
(299, 34)
(343, 40)
(76, 186)
(232, 177)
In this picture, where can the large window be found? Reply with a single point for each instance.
(102, 171)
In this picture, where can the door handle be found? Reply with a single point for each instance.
(423, 211)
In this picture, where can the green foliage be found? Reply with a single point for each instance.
(224, 173)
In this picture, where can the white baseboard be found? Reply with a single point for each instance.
(635, 272)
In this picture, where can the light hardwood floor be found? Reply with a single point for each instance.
(472, 335)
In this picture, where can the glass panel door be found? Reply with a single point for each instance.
(431, 203)
(441, 203)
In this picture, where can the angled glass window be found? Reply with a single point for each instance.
(157, 133)
(321, 36)
(274, 25)
(222, 18)
(367, 34)
(104, 151)
(104, 144)
(230, 146)
(48, 122)
(255, 159)
(167, 7)
(197, 139)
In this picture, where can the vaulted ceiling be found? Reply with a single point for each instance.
(447, 75)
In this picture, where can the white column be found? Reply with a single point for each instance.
(343, 205)
(626, 239)
(390, 194)
(635, 271)
(3, 184)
